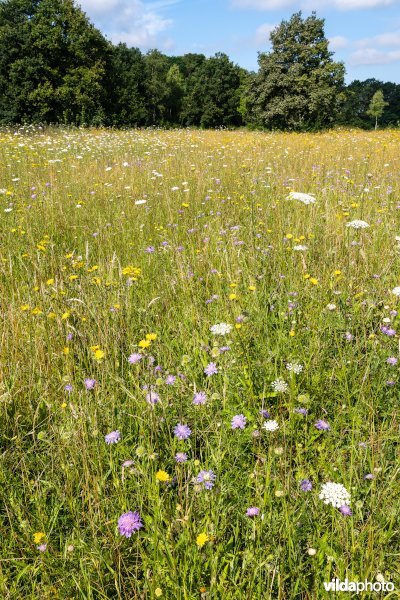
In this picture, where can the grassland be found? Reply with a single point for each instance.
(119, 252)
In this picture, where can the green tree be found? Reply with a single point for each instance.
(298, 85)
(54, 64)
(377, 106)
(156, 69)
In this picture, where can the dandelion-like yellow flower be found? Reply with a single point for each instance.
(202, 539)
(162, 476)
(151, 337)
(144, 343)
(38, 537)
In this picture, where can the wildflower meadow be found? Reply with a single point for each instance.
(199, 363)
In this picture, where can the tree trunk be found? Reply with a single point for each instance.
(376, 123)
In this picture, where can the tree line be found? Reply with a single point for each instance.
(56, 67)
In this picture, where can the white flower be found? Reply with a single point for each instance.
(357, 224)
(304, 198)
(300, 248)
(271, 425)
(396, 291)
(139, 202)
(279, 385)
(331, 306)
(221, 329)
(295, 367)
(311, 552)
(334, 494)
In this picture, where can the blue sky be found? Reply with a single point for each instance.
(365, 34)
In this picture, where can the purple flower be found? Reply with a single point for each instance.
(170, 380)
(135, 358)
(322, 425)
(349, 336)
(224, 349)
(152, 397)
(238, 422)
(265, 414)
(211, 369)
(90, 383)
(200, 398)
(392, 360)
(207, 478)
(306, 485)
(70, 336)
(128, 523)
(346, 510)
(113, 437)
(182, 432)
(68, 387)
(181, 457)
(301, 411)
(253, 511)
(42, 547)
(388, 331)
(390, 382)
(368, 476)
(150, 249)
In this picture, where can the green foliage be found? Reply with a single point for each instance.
(298, 84)
(377, 106)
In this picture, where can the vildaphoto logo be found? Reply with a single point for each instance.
(336, 585)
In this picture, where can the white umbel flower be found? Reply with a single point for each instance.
(294, 367)
(271, 425)
(221, 329)
(334, 494)
(279, 385)
(396, 291)
(300, 248)
(357, 224)
(304, 198)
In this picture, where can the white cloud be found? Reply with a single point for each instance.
(261, 37)
(338, 42)
(316, 4)
(372, 56)
(391, 38)
(131, 21)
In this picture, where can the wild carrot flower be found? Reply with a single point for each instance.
(334, 494)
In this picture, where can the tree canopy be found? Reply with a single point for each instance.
(56, 67)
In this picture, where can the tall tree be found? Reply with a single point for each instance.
(377, 106)
(156, 68)
(53, 65)
(298, 85)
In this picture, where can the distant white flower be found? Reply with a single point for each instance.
(357, 224)
(271, 425)
(300, 248)
(221, 329)
(334, 494)
(138, 202)
(304, 198)
(396, 291)
(279, 385)
(331, 306)
(294, 367)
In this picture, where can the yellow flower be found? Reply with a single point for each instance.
(98, 354)
(292, 333)
(73, 277)
(151, 336)
(232, 296)
(289, 236)
(252, 288)
(24, 307)
(38, 537)
(65, 316)
(201, 539)
(65, 350)
(144, 343)
(313, 280)
(162, 476)
(50, 282)
(158, 592)
(238, 325)
(37, 311)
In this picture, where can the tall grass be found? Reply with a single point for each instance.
(87, 272)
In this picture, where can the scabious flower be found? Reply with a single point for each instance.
(346, 510)
(135, 358)
(182, 432)
(206, 479)
(90, 383)
(334, 494)
(357, 224)
(306, 485)
(152, 397)
(211, 369)
(238, 422)
(392, 360)
(113, 437)
(68, 387)
(279, 385)
(199, 398)
(42, 547)
(322, 425)
(264, 413)
(128, 523)
(301, 411)
(170, 379)
(253, 511)
(221, 329)
(271, 425)
(181, 457)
